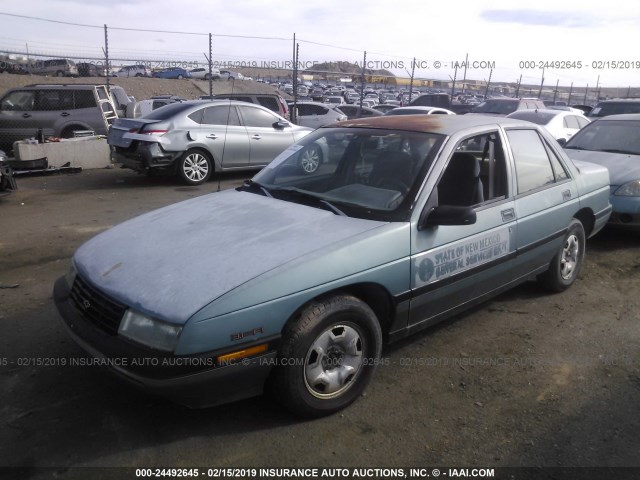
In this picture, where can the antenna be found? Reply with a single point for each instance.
(226, 130)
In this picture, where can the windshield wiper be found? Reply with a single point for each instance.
(249, 184)
(322, 201)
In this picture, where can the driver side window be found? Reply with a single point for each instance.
(476, 172)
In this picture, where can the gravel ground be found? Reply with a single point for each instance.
(527, 379)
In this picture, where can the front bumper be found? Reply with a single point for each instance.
(194, 381)
(626, 212)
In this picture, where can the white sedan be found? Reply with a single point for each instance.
(203, 73)
(561, 124)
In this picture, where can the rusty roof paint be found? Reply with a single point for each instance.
(442, 124)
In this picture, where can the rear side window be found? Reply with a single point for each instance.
(533, 167)
(571, 121)
(47, 100)
(270, 103)
(169, 111)
(84, 99)
(221, 115)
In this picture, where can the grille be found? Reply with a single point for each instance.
(97, 308)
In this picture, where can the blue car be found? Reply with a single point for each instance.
(291, 282)
(173, 72)
(614, 142)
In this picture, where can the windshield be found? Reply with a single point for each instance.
(614, 108)
(618, 136)
(504, 107)
(541, 118)
(168, 111)
(365, 173)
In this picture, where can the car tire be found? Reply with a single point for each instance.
(180, 77)
(566, 264)
(310, 159)
(194, 167)
(327, 357)
(59, 73)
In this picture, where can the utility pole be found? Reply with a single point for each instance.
(541, 83)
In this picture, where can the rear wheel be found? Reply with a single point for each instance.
(311, 158)
(180, 77)
(59, 73)
(328, 356)
(566, 264)
(194, 167)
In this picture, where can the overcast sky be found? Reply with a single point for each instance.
(501, 32)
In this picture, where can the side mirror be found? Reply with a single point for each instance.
(561, 141)
(450, 215)
(279, 125)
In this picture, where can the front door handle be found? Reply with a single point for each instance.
(26, 115)
(65, 114)
(213, 136)
(256, 137)
(508, 214)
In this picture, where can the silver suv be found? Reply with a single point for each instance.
(133, 71)
(54, 111)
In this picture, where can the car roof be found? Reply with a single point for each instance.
(547, 111)
(621, 116)
(443, 124)
(620, 100)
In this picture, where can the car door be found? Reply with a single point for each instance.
(266, 138)
(453, 266)
(224, 136)
(17, 120)
(546, 197)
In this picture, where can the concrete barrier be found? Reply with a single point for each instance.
(85, 152)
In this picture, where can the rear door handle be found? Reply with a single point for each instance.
(65, 114)
(26, 115)
(256, 137)
(213, 136)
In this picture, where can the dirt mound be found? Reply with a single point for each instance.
(142, 88)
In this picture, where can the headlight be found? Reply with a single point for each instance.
(149, 331)
(70, 276)
(631, 189)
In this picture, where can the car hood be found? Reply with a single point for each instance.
(622, 167)
(171, 262)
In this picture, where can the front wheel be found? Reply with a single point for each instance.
(180, 77)
(194, 167)
(566, 264)
(328, 356)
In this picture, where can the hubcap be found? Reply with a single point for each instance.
(195, 167)
(310, 160)
(569, 259)
(333, 361)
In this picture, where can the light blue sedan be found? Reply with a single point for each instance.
(614, 142)
(292, 282)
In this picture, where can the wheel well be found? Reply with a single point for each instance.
(586, 217)
(374, 295)
(206, 153)
(67, 132)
